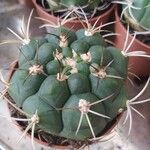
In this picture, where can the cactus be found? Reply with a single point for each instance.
(136, 13)
(73, 80)
(60, 4)
(71, 83)
(63, 6)
(141, 15)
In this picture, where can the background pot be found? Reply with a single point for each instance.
(76, 24)
(140, 65)
(107, 133)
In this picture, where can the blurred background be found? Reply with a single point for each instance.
(11, 11)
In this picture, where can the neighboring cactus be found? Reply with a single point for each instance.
(136, 13)
(138, 16)
(62, 6)
(65, 77)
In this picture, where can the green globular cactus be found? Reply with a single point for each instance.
(137, 14)
(60, 4)
(64, 8)
(73, 81)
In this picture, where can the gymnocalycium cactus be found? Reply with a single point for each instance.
(72, 81)
(71, 84)
(62, 6)
(136, 13)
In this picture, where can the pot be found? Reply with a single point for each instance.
(76, 24)
(106, 134)
(140, 65)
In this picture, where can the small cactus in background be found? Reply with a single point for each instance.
(63, 6)
(136, 13)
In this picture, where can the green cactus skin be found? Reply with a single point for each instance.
(30, 50)
(64, 69)
(74, 2)
(87, 5)
(56, 5)
(113, 105)
(71, 117)
(142, 19)
(96, 39)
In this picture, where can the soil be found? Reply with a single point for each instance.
(142, 80)
(104, 7)
(144, 38)
(52, 140)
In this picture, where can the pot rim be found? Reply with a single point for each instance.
(106, 133)
(118, 21)
(103, 15)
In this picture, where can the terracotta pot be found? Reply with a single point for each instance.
(140, 65)
(76, 24)
(58, 147)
